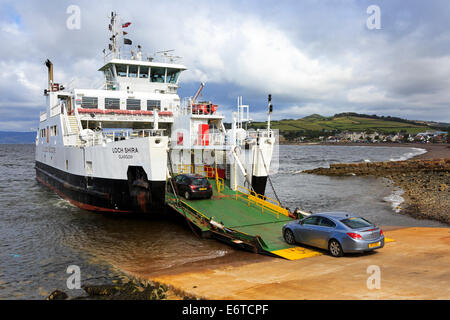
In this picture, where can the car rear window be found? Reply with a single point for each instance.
(356, 223)
(199, 182)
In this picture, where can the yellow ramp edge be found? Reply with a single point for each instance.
(296, 253)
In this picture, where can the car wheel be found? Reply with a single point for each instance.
(289, 236)
(187, 195)
(335, 248)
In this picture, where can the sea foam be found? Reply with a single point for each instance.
(409, 155)
(395, 199)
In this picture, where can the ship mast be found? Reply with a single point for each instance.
(116, 36)
(115, 28)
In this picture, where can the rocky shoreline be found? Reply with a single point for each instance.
(124, 289)
(425, 182)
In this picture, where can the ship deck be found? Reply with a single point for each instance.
(234, 218)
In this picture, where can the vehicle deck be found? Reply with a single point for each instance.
(236, 218)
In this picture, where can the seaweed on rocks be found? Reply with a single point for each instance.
(129, 290)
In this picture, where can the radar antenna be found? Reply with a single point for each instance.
(167, 56)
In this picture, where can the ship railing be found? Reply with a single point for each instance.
(264, 133)
(108, 85)
(70, 139)
(127, 55)
(43, 116)
(203, 170)
(252, 135)
(66, 124)
(259, 133)
(186, 108)
(56, 109)
(220, 183)
(110, 136)
(265, 203)
(147, 133)
(108, 57)
(92, 138)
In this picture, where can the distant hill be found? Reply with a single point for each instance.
(314, 116)
(315, 125)
(10, 137)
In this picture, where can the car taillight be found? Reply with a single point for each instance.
(354, 236)
(381, 232)
(210, 186)
(192, 187)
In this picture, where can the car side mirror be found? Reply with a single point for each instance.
(300, 222)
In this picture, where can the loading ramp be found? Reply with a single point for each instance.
(242, 218)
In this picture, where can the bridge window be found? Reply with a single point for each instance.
(143, 72)
(53, 131)
(132, 71)
(172, 75)
(89, 102)
(157, 74)
(109, 75)
(112, 103)
(152, 104)
(133, 104)
(121, 70)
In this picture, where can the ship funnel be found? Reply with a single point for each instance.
(49, 65)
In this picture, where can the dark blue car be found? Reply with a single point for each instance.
(193, 186)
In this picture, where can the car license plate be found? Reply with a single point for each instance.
(373, 245)
(203, 189)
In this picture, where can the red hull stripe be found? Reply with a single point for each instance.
(80, 205)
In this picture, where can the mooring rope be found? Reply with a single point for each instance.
(268, 177)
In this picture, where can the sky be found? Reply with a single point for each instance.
(312, 56)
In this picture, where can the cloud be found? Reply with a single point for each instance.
(314, 57)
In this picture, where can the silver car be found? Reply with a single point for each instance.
(338, 232)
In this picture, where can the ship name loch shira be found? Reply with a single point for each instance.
(50, 149)
(125, 152)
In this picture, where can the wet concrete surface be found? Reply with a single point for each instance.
(415, 266)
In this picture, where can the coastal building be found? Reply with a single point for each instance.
(432, 133)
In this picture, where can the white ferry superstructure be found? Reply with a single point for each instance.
(113, 149)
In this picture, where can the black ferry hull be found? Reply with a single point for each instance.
(103, 195)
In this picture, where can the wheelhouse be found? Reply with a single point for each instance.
(128, 74)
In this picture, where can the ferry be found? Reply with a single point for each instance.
(115, 147)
